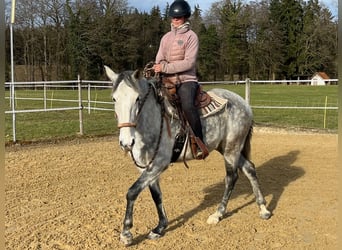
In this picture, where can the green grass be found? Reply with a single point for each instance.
(292, 96)
(62, 124)
(59, 124)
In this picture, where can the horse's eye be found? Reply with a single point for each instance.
(137, 100)
(114, 99)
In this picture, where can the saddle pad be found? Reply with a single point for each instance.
(216, 104)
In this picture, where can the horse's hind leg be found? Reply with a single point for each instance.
(163, 222)
(248, 169)
(230, 180)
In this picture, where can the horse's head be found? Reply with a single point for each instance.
(127, 94)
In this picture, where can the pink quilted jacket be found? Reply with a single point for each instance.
(178, 53)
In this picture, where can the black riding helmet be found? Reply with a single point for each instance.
(180, 8)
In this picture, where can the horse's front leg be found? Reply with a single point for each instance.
(126, 236)
(145, 179)
(163, 221)
(133, 192)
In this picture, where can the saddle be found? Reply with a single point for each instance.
(203, 99)
(170, 85)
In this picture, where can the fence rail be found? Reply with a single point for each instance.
(90, 104)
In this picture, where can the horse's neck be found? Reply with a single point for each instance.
(150, 116)
(153, 114)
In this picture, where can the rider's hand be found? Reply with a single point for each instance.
(157, 68)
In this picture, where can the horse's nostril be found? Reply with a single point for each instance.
(126, 146)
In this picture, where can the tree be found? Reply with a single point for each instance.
(88, 24)
(56, 46)
(209, 55)
(318, 44)
(234, 39)
(26, 12)
(264, 42)
(269, 39)
(287, 18)
(153, 31)
(196, 20)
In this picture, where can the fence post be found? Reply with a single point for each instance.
(12, 81)
(13, 112)
(44, 96)
(89, 98)
(325, 113)
(80, 105)
(248, 91)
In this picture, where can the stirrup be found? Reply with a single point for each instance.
(200, 155)
(199, 150)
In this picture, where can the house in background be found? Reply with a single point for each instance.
(320, 79)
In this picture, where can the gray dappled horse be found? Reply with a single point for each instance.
(148, 132)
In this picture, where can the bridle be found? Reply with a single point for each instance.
(134, 124)
(141, 104)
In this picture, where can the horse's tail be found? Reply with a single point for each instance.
(246, 151)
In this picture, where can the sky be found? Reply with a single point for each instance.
(147, 5)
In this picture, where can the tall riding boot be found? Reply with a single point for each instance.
(187, 93)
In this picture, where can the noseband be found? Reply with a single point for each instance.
(127, 125)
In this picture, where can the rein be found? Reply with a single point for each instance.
(134, 124)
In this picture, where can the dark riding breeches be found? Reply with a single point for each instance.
(187, 92)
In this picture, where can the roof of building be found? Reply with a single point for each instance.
(323, 75)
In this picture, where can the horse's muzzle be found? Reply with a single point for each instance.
(127, 147)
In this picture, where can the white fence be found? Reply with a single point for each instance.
(89, 104)
(79, 103)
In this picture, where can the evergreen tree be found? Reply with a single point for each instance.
(75, 45)
(196, 20)
(234, 39)
(155, 30)
(287, 17)
(209, 55)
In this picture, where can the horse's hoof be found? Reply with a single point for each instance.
(214, 218)
(154, 236)
(126, 238)
(265, 215)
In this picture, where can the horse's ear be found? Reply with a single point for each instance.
(111, 74)
(137, 74)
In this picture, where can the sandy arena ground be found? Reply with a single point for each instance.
(71, 195)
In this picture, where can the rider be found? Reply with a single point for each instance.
(176, 58)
